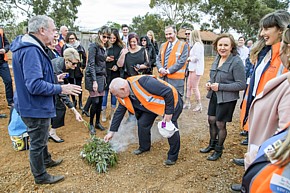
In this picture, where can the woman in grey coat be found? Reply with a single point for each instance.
(227, 78)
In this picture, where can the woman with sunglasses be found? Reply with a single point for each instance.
(145, 42)
(61, 65)
(95, 78)
(113, 71)
(76, 75)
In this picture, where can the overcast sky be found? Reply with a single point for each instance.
(95, 13)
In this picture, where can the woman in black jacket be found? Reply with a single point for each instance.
(76, 75)
(95, 80)
(145, 42)
(113, 71)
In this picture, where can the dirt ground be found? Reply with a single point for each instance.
(142, 173)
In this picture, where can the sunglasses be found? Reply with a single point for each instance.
(73, 63)
(143, 40)
(187, 33)
(106, 37)
(71, 38)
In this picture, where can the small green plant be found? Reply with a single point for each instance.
(99, 154)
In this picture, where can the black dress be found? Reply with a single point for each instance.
(131, 59)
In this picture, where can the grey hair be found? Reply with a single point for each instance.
(37, 22)
(173, 27)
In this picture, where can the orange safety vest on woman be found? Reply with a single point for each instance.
(153, 103)
(275, 69)
(2, 36)
(173, 57)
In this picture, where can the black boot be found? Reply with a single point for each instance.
(80, 105)
(92, 130)
(75, 103)
(100, 127)
(80, 102)
(210, 147)
(216, 154)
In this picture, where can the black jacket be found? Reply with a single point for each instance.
(77, 72)
(4, 41)
(113, 51)
(96, 69)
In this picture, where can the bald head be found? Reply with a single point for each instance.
(119, 87)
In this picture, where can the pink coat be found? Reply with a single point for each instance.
(269, 112)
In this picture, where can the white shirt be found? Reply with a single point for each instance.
(243, 53)
(196, 56)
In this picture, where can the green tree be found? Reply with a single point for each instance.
(240, 15)
(6, 14)
(177, 11)
(154, 22)
(113, 25)
(64, 12)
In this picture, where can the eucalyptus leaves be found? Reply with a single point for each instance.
(99, 154)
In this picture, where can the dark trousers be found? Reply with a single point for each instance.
(37, 129)
(6, 76)
(145, 121)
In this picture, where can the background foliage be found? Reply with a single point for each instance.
(220, 16)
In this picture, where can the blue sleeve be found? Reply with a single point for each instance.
(35, 74)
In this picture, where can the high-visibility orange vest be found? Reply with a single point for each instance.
(173, 57)
(261, 182)
(61, 43)
(153, 103)
(275, 69)
(2, 36)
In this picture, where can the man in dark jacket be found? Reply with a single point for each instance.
(147, 109)
(35, 90)
(4, 69)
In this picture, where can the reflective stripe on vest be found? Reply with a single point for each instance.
(2, 36)
(173, 57)
(153, 103)
(274, 70)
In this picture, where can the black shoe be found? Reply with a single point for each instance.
(3, 116)
(100, 127)
(92, 130)
(215, 156)
(169, 162)
(211, 146)
(53, 163)
(245, 142)
(239, 162)
(236, 187)
(56, 141)
(244, 133)
(50, 180)
(138, 151)
(86, 113)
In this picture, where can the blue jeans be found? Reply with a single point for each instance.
(6, 76)
(105, 98)
(37, 129)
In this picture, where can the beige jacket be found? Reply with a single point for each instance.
(269, 112)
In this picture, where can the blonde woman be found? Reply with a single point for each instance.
(153, 41)
(196, 70)
(271, 168)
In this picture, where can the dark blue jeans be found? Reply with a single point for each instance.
(37, 129)
(6, 76)
(105, 98)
